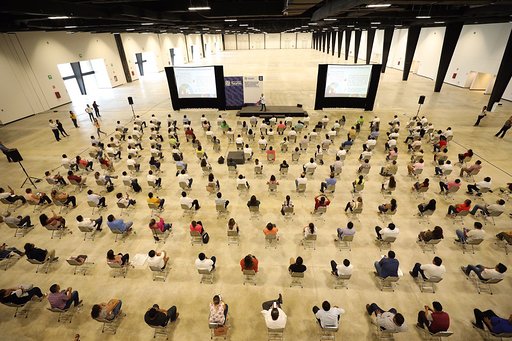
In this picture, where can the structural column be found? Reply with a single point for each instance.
(357, 43)
(413, 33)
(388, 36)
(122, 56)
(333, 42)
(340, 40)
(348, 34)
(324, 39)
(451, 36)
(370, 37)
(504, 75)
(328, 42)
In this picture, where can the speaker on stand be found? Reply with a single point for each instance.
(130, 102)
(421, 100)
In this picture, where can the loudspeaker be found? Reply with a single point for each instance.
(421, 100)
(14, 155)
(130, 100)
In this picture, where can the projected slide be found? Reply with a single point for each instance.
(195, 82)
(347, 80)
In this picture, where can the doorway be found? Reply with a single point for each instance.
(84, 77)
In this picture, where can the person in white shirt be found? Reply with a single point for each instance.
(304, 143)
(374, 124)
(485, 184)
(443, 167)
(263, 103)
(262, 143)
(110, 150)
(248, 152)
(344, 269)
(204, 263)
(325, 121)
(341, 153)
(436, 269)
(390, 144)
(465, 235)
(239, 141)
(328, 316)
(370, 144)
(337, 166)
(390, 231)
(391, 320)
(302, 180)
(191, 203)
(184, 177)
(288, 120)
(55, 129)
(157, 259)
(292, 132)
(69, 163)
(493, 209)
(310, 165)
(242, 181)
(130, 162)
(486, 273)
(154, 179)
(88, 223)
(275, 318)
(95, 198)
(306, 121)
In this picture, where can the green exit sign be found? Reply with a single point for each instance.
(50, 77)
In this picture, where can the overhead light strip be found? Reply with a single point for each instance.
(200, 8)
(378, 6)
(59, 17)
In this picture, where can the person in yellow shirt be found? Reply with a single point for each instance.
(155, 200)
(72, 116)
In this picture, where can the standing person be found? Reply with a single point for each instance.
(96, 109)
(88, 110)
(61, 128)
(263, 103)
(72, 116)
(481, 115)
(5, 150)
(98, 127)
(506, 126)
(55, 129)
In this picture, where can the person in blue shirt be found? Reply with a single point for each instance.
(330, 181)
(494, 323)
(348, 142)
(387, 266)
(119, 224)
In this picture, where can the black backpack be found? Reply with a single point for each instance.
(221, 160)
(136, 187)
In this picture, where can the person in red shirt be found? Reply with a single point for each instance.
(321, 200)
(196, 226)
(249, 262)
(465, 206)
(436, 320)
(271, 151)
(270, 229)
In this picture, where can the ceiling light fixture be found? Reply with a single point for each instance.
(312, 24)
(70, 26)
(423, 17)
(373, 26)
(200, 8)
(229, 20)
(59, 17)
(330, 19)
(147, 23)
(130, 29)
(350, 26)
(375, 23)
(378, 6)
(243, 25)
(438, 22)
(398, 25)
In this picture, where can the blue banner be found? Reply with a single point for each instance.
(234, 87)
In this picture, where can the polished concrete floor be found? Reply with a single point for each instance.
(290, 78)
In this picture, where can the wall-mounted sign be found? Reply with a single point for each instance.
(50, 77)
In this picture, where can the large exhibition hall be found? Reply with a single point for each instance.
(255, 170)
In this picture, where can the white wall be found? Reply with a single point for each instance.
(273, 41)
(257, 41)
(428, 51)
(242, 41)
(304, 40)
(288, 40)
(480, 48)
(230, 41)
(397, 50)
(175, 41)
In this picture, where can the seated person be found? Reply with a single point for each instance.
(302, 180)
(286, 204)
(271, 152)
(54, 222)
(119, 224)
(106, 311)
(321, 200)
(359, 182)
(412, 168)
(330, 181)
(253, 202)
(462, 156)
(10, 196)
(105, 179)
(309, 230)
(436, 233)
(473, 168)
(157, 259)
(151, 178)
(495, 324)
(387, 266)
(126, 201)
(63, 197)
(391, 207)
(157, 317)
(384, 233)
(20, 221)
(365, 166)
(96, 198)
(87, 165)
(436, 320)
(152, 199)
(389, 169)
(189, 202)
(355, 204)
(448, 186)
(6, 252)
(205, 263)
(40, 255)
(390, 320)
(466, 235)
(436, 269)
(89, 223)
(493, 209)
(443, 167)
(275, 318)
(21, 295)
(485, 273)
(242, 182)
(310, 166)
(421, 186)
(121, 259)
(218, 311)
(185, 178)
(39, 198)
(430, 206)
(54, 179)
(346, 231)
(485, 184)
(197, 226)
(159, 225)
(62, 299)
(220, 201)
(249, 262)
(132, 163)
(344, 269)
(389, 184)
(328, 316)
(296, 265)
(270, 229)
(465, 206)
(506, 236)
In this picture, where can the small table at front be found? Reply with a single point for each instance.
(237, 157)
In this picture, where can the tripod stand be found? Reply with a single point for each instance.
(28, 178)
